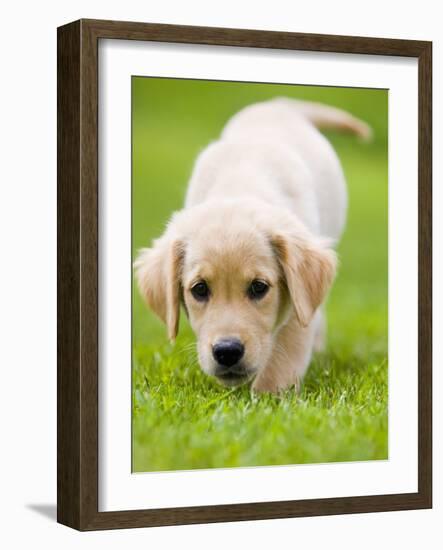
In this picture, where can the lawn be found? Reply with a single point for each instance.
(181, 418)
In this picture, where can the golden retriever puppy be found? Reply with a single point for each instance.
(250, 257)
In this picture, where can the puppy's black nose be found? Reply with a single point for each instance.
(228, 352)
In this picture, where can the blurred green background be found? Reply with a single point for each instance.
(181, 419)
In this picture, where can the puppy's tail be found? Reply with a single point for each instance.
(326, 117)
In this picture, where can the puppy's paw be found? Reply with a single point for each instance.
(319, 345)
(259, 387)
(267, 385)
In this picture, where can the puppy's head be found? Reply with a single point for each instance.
(239, 272)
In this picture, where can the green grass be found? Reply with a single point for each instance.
(181, 418)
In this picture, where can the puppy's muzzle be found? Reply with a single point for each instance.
(228, 352)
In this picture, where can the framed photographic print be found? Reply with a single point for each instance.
(244, 275)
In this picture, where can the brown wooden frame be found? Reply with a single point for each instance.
(77, 405)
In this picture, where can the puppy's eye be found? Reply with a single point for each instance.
(257, 289)
(200, 291)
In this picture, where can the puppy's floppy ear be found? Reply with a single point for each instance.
(158, 273)
(309, 268)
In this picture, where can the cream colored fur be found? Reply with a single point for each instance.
(266, 201)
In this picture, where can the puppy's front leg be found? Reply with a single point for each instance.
(289, 360)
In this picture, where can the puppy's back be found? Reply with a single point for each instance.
(274, 150)
(296, 124)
